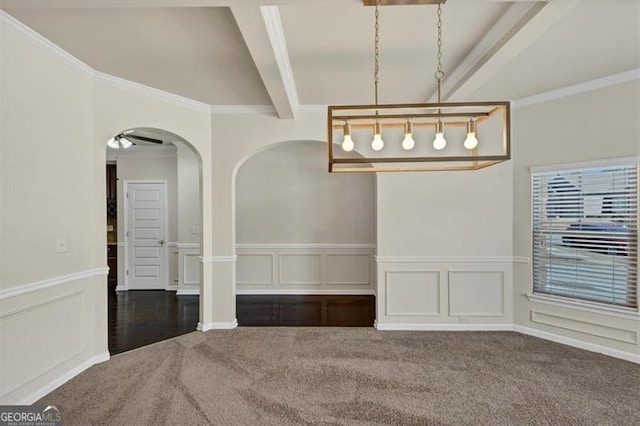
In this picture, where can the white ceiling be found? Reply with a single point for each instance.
(317, 52)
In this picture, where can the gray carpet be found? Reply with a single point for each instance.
(278, 376)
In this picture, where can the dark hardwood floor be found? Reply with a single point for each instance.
(306, 311)
(141, 317)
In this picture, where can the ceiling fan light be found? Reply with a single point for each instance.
(126, 143)
(113, 143)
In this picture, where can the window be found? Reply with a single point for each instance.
(585, 233)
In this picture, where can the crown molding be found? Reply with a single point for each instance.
(242, 109)
(132, 86)
(576, 89)
(41, 41)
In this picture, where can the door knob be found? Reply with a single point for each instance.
(161, 242)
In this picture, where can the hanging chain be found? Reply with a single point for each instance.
(440, 71)
(376, 67)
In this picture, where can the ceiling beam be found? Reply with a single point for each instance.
(520, 26)
(262, 31)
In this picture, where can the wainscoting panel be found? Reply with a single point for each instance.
(191, 269)
(419, 292)
(585, 327)
(188, 268)
(300, 269)
(349, 269)
(476, 293)
(48, 333)
(49, 344)
(305, 269)
(258, 268)
(411, 293)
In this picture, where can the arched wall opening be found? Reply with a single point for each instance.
(300, 230)
(154, 224)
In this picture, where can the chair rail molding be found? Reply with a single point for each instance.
(52, 282)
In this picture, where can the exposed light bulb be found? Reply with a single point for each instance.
(347, 143)
(439, 142)
(472, 141)
(408, 143)
(377, 144)
(113, 143)
(126, 143)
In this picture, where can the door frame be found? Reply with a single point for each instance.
(164, 253)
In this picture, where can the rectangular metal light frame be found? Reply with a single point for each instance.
(401, 2)
(431, 163)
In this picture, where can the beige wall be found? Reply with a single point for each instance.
(189, 221)
(301, 229)
(285, 195)
(595, 125)
(188, 196)
(52, 305)
(56, 118)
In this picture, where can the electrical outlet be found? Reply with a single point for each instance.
(61, 245)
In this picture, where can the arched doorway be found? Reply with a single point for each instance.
(305, 240)
(154, 225)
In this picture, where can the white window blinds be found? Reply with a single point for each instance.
(585, 234)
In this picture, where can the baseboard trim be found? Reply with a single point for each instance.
(120, 288)
(306, 292)
(51, 386)
(442, 327)
(188, 292)
(217, 325)
(591, 347)
(171, 288)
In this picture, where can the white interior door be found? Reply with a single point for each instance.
(146, 228)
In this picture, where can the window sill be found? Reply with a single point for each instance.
(596, 308)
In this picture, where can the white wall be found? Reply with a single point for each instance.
(52, 305)
(594, 125)
(301, 229)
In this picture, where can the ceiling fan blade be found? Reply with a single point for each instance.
(144, 138)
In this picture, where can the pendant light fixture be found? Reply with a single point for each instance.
(347, 142)
(440, 146)
(408, 143)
